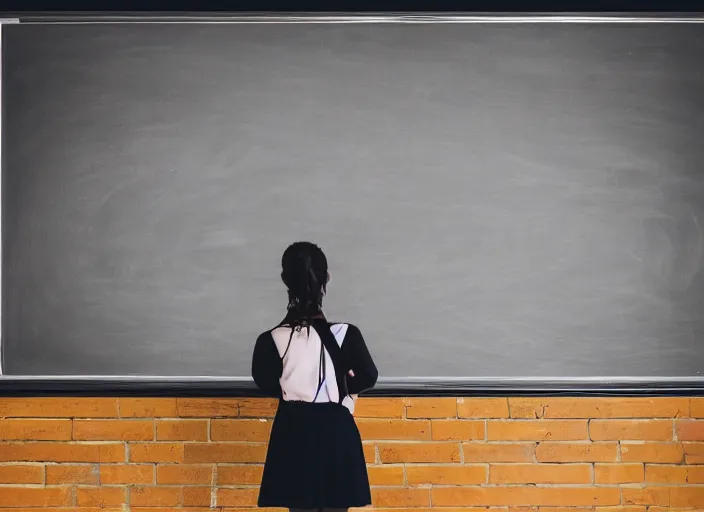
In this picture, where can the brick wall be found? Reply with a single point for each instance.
(551, 454)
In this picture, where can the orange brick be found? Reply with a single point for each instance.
(540, 474)
(37, 497)
(622, 508)
(160, 509)
(86, 474)
(697, 407)
(385, 475)
(669, 474)
(182, 430)
(382, 497)
(101, 497)
(671, 509)
(618, 473)
(385, 429)
(633, 430)
(207, 407)
(652, 452)
(565, 430)
(237, 497)
(61, 452)
(430, 509)
(525, 496)
(68, 509)
(561, 509)
(482, 408)
(241, 474)
(21, 474)
(156, 496)
(646, 496)
(687, 497)
(552, 509)
(599, 407)
(576, 452)
(126, 474)
(224, 452)
(431, 408)
(257, 407)
(690, 430)
(156, 452)
(113, 430)
(49, 407)
(147, 407)
(38, 430)
(240, 430)
(693, 453)
(114, 452)
(419, 452)
(369, 452)
(446, 475)
(514, 452)
(380, 408)
(183, 474)
(457, 430)
(196, 497)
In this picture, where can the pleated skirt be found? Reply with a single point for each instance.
(315, 459)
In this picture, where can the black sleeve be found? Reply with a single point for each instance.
(267, 365)
(355, 352)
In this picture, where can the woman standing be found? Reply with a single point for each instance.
(316, 368)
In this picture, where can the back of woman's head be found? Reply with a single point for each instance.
(304, 271)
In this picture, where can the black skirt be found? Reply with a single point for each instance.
(315, 459)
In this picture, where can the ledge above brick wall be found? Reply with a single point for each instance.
(30, 386)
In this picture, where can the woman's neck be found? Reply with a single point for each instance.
(292, 318)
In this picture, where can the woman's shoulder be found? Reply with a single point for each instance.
(345, 329)
(348, 330)
(265, 337)
(275, 332)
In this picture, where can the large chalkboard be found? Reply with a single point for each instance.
(495, 199)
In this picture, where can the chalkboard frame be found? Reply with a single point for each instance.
(43, 8)
(410, 387)
(3, 21)
(23, 386)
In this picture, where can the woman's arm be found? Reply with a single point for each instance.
(355, 351)
(267, 366)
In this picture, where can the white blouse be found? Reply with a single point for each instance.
(296, 366)
(301, 365)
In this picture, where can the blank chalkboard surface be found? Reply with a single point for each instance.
(495, 199)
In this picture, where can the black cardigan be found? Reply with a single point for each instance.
(267, 363)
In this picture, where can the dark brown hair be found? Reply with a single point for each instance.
(304, 271)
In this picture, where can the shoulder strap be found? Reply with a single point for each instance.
(330, 344)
